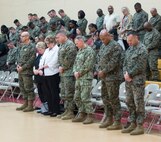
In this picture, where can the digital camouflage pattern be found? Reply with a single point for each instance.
(135, 64)
(151, 42)
(84, 64)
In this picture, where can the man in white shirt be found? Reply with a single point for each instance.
(111, 22)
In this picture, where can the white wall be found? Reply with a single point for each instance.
(18, 9)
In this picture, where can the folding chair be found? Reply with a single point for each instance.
(6, 84)
(157, 116)
(122, 92)
(150, 89)
(96, 91)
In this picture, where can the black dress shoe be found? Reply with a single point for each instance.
(47, 113)
(54, 114)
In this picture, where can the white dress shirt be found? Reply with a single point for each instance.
(111, 20)
(50, 58)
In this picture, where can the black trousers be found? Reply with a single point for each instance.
(41, 92)
(52, 91)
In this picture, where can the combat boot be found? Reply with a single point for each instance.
(130, 128)
(63, 114)
(68, 115)
(25, 104)
(29, 107)
(105, 123)
(89, 119)
(80, 118)
(139, 130)
(115, 126)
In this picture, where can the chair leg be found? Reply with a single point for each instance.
(18, 95)
(151, 124)
(3, 94)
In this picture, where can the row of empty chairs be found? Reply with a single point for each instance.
(8, 83)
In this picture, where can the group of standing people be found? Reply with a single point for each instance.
(65, 64)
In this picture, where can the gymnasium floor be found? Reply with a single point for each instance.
(32, 127)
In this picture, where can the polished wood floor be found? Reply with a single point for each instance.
(32, 127)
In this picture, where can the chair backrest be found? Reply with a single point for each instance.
(122, 90)
(96, 89)
(150, 89)
(10, 78)
(1, 72)
(2, 76)
(156, 95)
(7, 73)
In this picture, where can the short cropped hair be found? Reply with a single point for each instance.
(79, 37)
(15, 21)
(61, 11)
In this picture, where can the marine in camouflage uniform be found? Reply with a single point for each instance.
(11, 57)
(100, 19)
(151, 42)
(155, 20)
(25, 64)
(83, 72)
(134, 69)
(64, 17)
(53, 29)
(108, 69)
(82, 22)
(138, 20)
(34, 30)
(66, 58)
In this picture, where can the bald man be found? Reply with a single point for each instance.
(151, 42)
(155, 20)
(108, 69)
(134, 70)
(66, 57)
(25, 63)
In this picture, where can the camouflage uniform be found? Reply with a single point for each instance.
(36, 22)
(108, 61)
(18, 28)
(138, 21)
(84, 64)
(99, 22)
(54, 19)
(12, 59)
(66, 20)
(135, 64)
(151, 41)
(52, 33)
(82, 24)
(26, 61)
(66, 58)
(156, 23)
(34, 32)
(14, 37)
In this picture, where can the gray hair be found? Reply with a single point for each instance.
(79, 37)
(41, 45)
